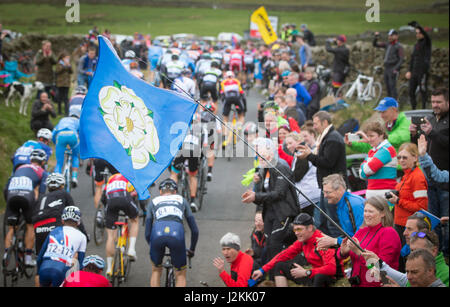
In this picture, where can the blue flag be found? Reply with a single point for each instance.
(432, 219)
(134, 126)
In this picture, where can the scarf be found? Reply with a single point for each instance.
(320, 138)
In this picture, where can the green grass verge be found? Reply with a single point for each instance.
(14, 131)
(203, 21)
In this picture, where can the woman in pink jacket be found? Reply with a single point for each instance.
(377, 235)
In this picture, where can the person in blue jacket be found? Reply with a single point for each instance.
(350, 209)
(66, 133)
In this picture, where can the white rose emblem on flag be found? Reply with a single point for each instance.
(131, 123)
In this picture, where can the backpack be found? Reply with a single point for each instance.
(349, 126)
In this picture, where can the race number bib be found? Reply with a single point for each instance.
(116, 186)
(21, 183)
(168, 211)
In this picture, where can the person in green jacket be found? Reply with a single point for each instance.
(397, 127)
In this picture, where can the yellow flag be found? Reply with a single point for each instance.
(260, 18)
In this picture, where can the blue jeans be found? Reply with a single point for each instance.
(438, 205)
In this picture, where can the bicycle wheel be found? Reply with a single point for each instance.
(99, 225)
(343, 92)
(28, 271)
(116, 274)
(375, 92)
(202, 172)
(92, 173)
(10, 268)
(170, 278)
(185, 188)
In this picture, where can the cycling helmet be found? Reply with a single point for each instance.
(55, 180)
(81, 89)
(130, 54)
(75, 111)
(168, 184)
(38, 155)
(186, 72)
(44, 133)
(175, 57)
(94, 259)
(303, 219)
(229, 74)
(215, 64)
(71, 213)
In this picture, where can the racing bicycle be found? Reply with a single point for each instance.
(13, 264)
(201, 176)
(99, 217)
(121, 263)
(363, 89)
(170, 271)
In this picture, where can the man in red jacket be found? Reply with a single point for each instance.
(323, 262)
(241, 263)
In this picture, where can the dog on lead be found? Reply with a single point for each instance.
(25, 91)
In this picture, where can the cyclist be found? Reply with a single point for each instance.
(164, 228)
(100, 166)
(174, 69)
(22, 154)
(78, 98)
(232, 93)
(190, 151)
(21, 192)
(184, 84)
(249, 60)
(134, 70)
(201, 67)
(66, 134)
(226, 59)
(64, 245)
(210, 125)
(209, 84)
(118, 196)
(90, 275)
(237, 63)
(130, 55)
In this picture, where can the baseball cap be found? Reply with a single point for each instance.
(342, 38)
(303, 219)
(392, 32)
(386, 103)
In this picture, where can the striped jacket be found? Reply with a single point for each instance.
(380, 167)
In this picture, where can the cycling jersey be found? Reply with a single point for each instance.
(47, 214)
(57, 254)
(118, 198)
(209, 84)
(191, 150)
(185, 86)
(76, 100)
(20, 195)
(232, 90)
(66, 133)
(85, 279)
(22, 154)
(237, 60)
(174, 69)
(164, 228)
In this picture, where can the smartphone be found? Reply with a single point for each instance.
(384, 279)
(353, 137)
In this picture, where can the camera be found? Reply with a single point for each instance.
(353, 137)
(389, 196)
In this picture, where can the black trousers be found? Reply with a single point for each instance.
(390, 79)
(63, 98)
(421, 81)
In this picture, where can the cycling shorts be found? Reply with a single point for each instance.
(52, 273)
(178, 163)
(210, 87)
(236, 66)
(237, 101)
(19, 203)
(99, 166)
(168, 234)
(250, 68)
(121, 203)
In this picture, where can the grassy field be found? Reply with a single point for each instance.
(122, 19)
